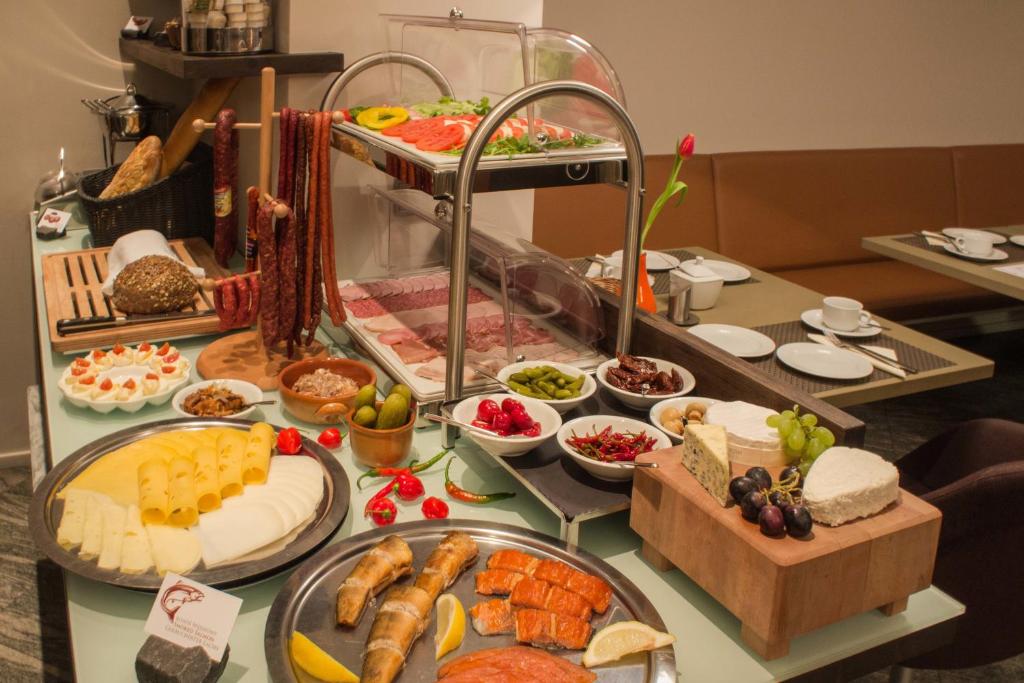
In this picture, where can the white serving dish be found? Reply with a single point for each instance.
(509, 446)
(680, 403)
(119, 373)
(638, 401)
(824, 361)
(248, 391)
(561, 405)
(591, 423)
(730, 272)
(739, 341)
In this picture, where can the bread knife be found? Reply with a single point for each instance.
(68, 326)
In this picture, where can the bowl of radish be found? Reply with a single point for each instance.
(507, 425)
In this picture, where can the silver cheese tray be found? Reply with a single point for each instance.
(307, 600)
(46, 509)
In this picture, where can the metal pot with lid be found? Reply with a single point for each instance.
(128, 117)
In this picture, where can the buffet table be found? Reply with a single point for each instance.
(106, 622)
(912, 249)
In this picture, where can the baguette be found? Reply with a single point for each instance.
(138, 171)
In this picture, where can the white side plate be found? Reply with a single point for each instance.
(730, 272)
(739, 341)
(824, 361)
(812, 318)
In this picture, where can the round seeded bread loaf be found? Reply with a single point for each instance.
(154, 284)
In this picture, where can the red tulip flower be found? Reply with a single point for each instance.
(674, 187)
(686, 147)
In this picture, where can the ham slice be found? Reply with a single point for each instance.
(434, 314)
(414, 351)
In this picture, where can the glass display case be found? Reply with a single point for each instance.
(524, 303)
(473, 65)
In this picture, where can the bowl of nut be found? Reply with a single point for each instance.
(672, 414)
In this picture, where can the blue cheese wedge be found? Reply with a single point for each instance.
(706, 456)
(845, 484)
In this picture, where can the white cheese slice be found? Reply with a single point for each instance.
(136, 556)
(231, 532)
(92, 529)
(845, 484)
(705, 455)
(113, 536)
(174, 549)
(72, 519)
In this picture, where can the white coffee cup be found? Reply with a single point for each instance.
(975, 243)
(844, 314)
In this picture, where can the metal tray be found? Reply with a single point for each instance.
(46, 509)
(307, 603)
(436, 174)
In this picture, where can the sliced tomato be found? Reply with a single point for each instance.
(79, 371)
(88, 379)
(107, 384)
(145, 346)
(162, 351)
(129, 384)
(152, 375)
(82, 362)
(426, 127)
(396, 131)
(172, 357)
(448, 137)
(118, 349)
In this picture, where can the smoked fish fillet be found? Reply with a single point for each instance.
(381, 566)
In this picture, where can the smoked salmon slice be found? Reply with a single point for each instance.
(593, 589)
(493, 617)
(513, 561)
(497, 581)
(542, 595)
(540, 627)
(530, 664)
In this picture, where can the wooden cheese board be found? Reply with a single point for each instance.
(780, 588)
(72, 282)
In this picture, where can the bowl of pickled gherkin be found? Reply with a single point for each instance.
(560, 385)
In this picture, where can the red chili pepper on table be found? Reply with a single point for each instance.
(469, 496)
(289, 441)
(382, 511)
(413, 466)
(434, 508)
(407, 486)
(329, 438)
(383, 493)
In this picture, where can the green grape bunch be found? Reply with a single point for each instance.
(802, 438)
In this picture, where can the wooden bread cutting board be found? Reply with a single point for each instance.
(780, 588)
(71, 286)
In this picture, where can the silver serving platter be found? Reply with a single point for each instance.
(46, 509)
(307, 603)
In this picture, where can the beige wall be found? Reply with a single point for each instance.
(799, 74)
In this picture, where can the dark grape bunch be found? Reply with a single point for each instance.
(775, 506)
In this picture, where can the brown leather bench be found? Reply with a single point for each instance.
(802, 214)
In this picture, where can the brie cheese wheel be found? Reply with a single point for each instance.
(751, 441)
(845, 484)
(705, 454)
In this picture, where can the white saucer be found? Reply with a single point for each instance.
(812, 318)
(994, 255)
(824, 361)
(739, 341)
(960, 232)
(656, 260)
(1018, 240)
(730, 272)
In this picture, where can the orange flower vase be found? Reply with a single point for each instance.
(644, 292)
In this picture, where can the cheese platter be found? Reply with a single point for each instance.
(325, 602)
(209, 498)
(804, 580)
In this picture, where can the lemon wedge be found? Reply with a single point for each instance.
(317, 663)
(451, 625)
(623, 638)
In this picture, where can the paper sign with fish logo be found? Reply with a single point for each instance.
(188, 613)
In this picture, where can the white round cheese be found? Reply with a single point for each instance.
(745, 423)
(845, 484)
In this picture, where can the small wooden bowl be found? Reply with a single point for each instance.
(317, 410)
(381, 447)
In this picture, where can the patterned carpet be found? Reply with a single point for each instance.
(33, 625)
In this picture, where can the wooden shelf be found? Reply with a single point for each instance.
(182, 65)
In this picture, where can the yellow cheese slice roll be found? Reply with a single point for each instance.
(256, 462)
(207, 481)
(113, 536)
(230, 452)
(181, 493)
(136, 556)
(153, 491)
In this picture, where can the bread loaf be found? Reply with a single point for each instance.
(154, 284)
(138, 171)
